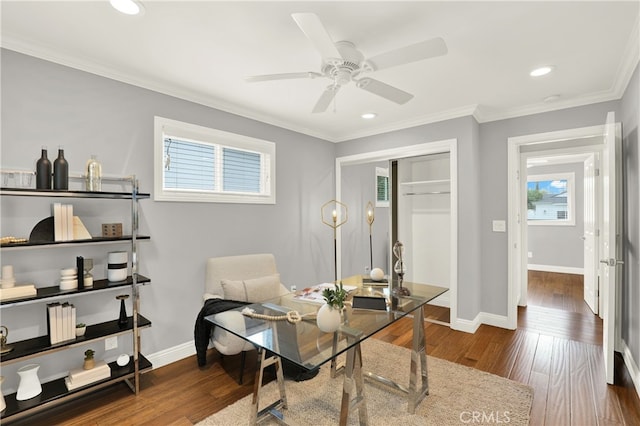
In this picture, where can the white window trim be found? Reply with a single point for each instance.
(194, 132)
(571, 216)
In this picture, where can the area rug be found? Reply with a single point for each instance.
(458, 395)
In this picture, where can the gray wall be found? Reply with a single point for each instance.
(560, 245)
(359, 188)
(47, 104)
(630, 294)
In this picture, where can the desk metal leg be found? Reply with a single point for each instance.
(274, 408)
(418, 355)
(353, 386)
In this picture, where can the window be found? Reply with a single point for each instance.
(195, 163)
(382, 187)
(550, 199)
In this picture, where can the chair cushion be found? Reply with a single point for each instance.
(226, 342)
(252, 290)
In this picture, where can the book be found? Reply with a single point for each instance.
(52, 326)
(18, 292)
(56, 209)
(79, 377)
(69, 221)
(63, 222)
(59, 323)
(314, 294)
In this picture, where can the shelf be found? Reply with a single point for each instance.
(51, 292)
(55, 391)
(427, 182)
(30, 192)
(40, 345)
(93, 240)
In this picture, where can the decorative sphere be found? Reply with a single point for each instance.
(377, 274)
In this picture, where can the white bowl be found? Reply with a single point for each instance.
(68, 284)
(68, 272)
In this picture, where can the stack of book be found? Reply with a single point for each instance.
(18, 292)
(61, 322)
(66, 226)
(80, 377)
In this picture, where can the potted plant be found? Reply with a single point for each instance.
(81, 328)
(89, 362)
(330, 314)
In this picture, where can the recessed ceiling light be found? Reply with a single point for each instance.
(369, 115)
(539, 72)
(128, 7)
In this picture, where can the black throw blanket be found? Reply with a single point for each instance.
(202, 329)
(202, 334)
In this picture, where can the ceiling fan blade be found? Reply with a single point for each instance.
(312, 27)
(325, 99)
(384, 90)
(412, 53)
(285, 76)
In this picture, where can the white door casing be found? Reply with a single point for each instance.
(589, 237)
(448, 145)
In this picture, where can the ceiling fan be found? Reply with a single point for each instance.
(342, 63)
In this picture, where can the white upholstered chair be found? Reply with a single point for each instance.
(251, 278)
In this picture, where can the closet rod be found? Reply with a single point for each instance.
(427, 193)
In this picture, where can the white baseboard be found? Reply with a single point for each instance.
(557, 269)
(173, 354)
(471, 326)
(632, 366)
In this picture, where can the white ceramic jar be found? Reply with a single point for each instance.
(117, 264)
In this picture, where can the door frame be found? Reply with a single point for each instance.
(517, 254)
(436, 147)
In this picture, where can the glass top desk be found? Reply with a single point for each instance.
(304, 344)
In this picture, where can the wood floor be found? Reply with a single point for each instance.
(556, 350)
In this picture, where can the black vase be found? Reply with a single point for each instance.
(43, 171)
(60, 172)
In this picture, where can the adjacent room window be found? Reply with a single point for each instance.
(382, 187)
(195, 163)
(550, 199)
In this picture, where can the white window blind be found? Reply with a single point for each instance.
(202, 164)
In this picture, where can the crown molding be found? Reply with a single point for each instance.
(84, 64)
(481, 113)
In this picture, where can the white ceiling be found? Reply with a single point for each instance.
(203, 50)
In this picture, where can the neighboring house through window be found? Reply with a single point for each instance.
(550, 199)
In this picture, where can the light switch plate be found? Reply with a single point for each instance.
(499, 226)
(111, 343)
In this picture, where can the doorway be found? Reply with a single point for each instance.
(448, 147)
(604, 139)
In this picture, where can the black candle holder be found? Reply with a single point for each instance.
(122, 319)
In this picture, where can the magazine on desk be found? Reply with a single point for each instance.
(314, 294)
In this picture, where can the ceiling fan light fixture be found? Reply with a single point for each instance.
(128, 7)
(540, 71)
(369, 115)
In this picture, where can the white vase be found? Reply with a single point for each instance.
(117, 264)
(29, 383)
(328, 319)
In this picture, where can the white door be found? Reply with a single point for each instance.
(589, 237)
(610, 245)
